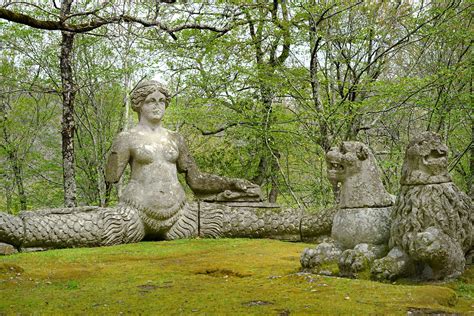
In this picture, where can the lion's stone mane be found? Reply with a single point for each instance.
(441, 205)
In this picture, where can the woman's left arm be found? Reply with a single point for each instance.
(205, 183)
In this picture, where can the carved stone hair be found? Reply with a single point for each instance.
(143, 89)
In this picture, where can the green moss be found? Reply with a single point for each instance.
(364, 274)
(203, 276)
(6, 269)
(328, 267)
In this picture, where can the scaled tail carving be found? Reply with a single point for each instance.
(76, 227)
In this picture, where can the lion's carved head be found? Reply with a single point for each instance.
(426, 161)
(353, 165)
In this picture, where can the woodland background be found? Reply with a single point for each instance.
(261, 89)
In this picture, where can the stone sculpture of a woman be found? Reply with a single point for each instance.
(153, 203)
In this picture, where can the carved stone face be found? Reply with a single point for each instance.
(345, 160)
(353, 165)
(426, 160)
(153, 107)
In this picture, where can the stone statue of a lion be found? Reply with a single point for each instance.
(432, 226)
(361, 225)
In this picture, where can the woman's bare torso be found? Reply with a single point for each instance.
(154, 181)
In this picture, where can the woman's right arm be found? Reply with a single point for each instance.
(118, 158)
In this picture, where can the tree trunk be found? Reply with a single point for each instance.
(127, 104)
(68, 126)
(272, 175)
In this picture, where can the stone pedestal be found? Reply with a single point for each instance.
(353, 226)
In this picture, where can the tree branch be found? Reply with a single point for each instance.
(96, 23)
(218, 130)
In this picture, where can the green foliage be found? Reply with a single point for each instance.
(29, 140)
(249, 101)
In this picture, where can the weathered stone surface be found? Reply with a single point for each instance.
(264, 222)
(323, 253)
(353, 226)
(81, 227)
(316, 225)
(253, 194)
(251, 204)
(258, 220)
(443, 256)
(33, 249)
(372, 251)
(361, 224)
(7, 249)
(432, 221)
(426, 161)
(396, 264)
(360, 258)
(11, 229)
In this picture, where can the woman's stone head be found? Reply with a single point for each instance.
(143, 89)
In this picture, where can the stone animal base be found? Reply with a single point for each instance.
(264, 220)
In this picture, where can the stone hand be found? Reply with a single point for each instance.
(247, 186)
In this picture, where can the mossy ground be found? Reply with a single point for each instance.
(205, 277)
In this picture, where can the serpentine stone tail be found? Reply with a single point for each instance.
(187, 224)
(259, 220)
(76, 227)
(11, 229)
(95, 226)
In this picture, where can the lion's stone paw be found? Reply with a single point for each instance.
(353, 261)
(384, 269)
(320, 257)
(427, 242)
(395, 264)
(306, 258)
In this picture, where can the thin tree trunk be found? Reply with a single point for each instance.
(8, 197)
(315, 90)
(127, 104)
(272, 174)
(273, 195)
(16, 167)
(127, 85)
(18, 179)
(470, 184)
(261, 169)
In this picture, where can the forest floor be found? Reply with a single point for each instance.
(207, 277)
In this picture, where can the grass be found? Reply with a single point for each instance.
(205, 277)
